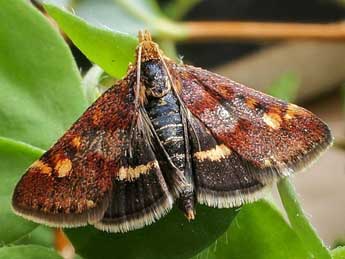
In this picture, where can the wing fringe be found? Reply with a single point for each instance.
(64, 220)
(138, 220)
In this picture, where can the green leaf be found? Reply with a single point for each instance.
(28, 252)
(338, 253)
(42, 235)
(40, 84)
(149, 12)
(62, 3)
(108, 14)
(258, 231)
(146, 10)
(15, 157)
(128, 16)
(110, 50)
(171, 237)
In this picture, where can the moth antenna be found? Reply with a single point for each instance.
(137, 95)
(137, 89)
(178, 97)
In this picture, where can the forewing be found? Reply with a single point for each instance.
(71, 184)
(275, 137)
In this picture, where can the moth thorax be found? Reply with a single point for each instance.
(155, 78)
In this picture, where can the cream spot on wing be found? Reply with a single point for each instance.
(131, 173)
(214, 154)
(288, 116)
(293, 107)
(90, 204)
(76, 141)
(267, 163)
(293, 110)
(273, 120)
(43, 167)
(63, 167)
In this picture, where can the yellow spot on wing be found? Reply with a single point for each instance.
(63, 167)
(130, 173)
(214, 154)
(293, 110)
(251, 103)
(273, 120)
(90, 204)
(76, 141)
(288, 116)
(96, 117)
(267, 163)
(43, 167)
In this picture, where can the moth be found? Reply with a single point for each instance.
(167, 133)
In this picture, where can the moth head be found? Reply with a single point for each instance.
(147, 49)
(152, 70)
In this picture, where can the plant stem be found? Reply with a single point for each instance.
(263, 31)
(205, 31)
(299, 221)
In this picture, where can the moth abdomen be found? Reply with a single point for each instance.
(167, 121)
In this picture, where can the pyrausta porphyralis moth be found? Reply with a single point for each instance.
(167, 132)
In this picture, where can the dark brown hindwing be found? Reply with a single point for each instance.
(222, 178)
(140, 195)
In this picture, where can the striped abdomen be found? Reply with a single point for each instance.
(165, 115)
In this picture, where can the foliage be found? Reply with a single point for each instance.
(42, 94)
(28, 252)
